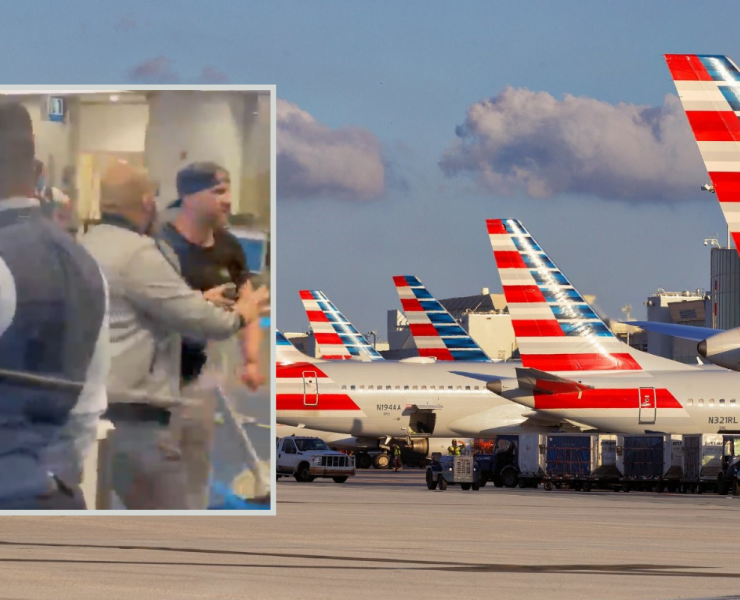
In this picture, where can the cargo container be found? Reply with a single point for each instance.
(705, 458)
(581, 461)
(650, 462)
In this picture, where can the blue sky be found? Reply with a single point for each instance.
(405, 74)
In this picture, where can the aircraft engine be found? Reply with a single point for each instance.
(722, 349)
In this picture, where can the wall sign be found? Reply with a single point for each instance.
(56, 109)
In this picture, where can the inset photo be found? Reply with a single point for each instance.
(135, 299)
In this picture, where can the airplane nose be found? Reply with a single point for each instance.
(701, 348)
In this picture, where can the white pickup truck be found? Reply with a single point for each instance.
(307, 458)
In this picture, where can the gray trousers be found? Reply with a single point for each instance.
(146, 467)
(193, 427)
(166, 467)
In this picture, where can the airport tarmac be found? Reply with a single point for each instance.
(383, 535)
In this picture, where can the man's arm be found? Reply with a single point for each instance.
(251, 336)
(251, 342)
(154, 286)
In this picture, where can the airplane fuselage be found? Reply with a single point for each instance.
(677, 402)
(443, 399)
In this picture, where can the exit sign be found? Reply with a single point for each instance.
(56, 109)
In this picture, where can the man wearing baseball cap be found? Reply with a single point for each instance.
(211, 258)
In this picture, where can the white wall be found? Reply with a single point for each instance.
(115, 127)
(494, 333)
(254, 198)
(53, 141)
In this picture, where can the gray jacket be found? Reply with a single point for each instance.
(151, 308)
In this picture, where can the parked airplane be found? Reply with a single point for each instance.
(369, 451)
(709, 89)
(575, 368)
(336, 337)
(411, 400)
(434, 330)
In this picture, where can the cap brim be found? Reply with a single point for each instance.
(176, 204)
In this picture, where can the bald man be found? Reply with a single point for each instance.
(151, 309)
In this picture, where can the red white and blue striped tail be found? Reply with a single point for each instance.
(555, 328)
(286, 353)
(336, 337)
(709, 89)
(435, 331)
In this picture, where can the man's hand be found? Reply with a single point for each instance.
(216, 296)
(251, 376)
(252, 303)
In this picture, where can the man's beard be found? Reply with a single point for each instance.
(212, 220)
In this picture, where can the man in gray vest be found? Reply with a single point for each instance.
(151, 308)
(53, 338)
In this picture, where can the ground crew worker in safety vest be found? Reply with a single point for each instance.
(454, 449)
(397, 458)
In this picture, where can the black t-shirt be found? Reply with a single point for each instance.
(204, 268)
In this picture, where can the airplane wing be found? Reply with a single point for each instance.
(685, 332)
(537, 420)
(547, 383)
(533, 380)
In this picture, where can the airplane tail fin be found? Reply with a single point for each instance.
(336, 337)
(555, 327)
(435, 331)
(286, 353)
(709, 89)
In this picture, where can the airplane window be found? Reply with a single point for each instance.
(362, 387)
(721, 400)
(467, 387)
(711, 402)
(459, 387)
(431, 387)
(405, 387)
(415, 388)
(389, 387)
(689, 402)
(344, 387)
(351, 387)
(449, 387)
(700, 402)
(423, 387)
(476, 387)
(398, 387)
(732, 401)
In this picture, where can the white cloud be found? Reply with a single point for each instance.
(314, 160)
(530, 140)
